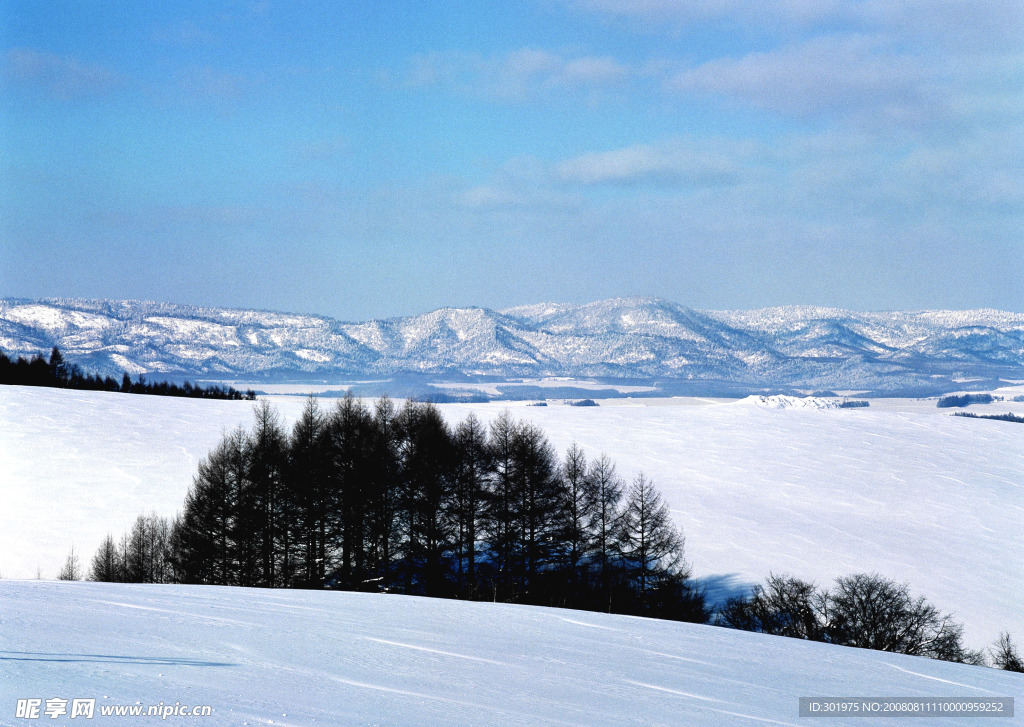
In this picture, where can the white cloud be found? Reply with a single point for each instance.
(823, 74)
(960, 22)
(510, 195)
(517, 75)
(661, 11)
(867, 80)
(706, 162)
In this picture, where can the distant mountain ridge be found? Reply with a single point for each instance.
(637, 339)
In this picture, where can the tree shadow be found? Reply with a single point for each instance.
(106, 659)
(720, 588)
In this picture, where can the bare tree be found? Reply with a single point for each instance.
(71, 571)
(1005, 655)
(784, 606)
(873, 612)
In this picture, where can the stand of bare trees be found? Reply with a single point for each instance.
(142, 555)
(861, 610)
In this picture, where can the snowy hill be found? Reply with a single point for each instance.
(305, 658)
(900, 488)
(619, 339)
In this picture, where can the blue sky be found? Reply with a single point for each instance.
(370, 159)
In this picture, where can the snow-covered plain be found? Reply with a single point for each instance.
(262, 657)
(900, 488)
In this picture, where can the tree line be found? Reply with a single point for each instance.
(1007, 417)
(953, 400)
(388, 498)
(863, 610)
(58, 373)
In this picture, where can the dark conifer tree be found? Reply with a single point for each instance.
(537, 503)
(148, 552)
(307, 492)
(472, 476)
(267, 457)
(58, 368)
(607, 489)
(500, 508)
(577, 513)
(206, 549)
(428, 469)
(106, 565)
(135, 557)
(349, 449)
(39, 372)
(247, 518)
(384, 508)
(650, 544)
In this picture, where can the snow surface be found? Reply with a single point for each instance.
(263, 657)
(900, 488)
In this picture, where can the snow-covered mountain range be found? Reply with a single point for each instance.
(638, 339)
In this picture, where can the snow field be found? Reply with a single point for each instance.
(900, 488)
(296, 658)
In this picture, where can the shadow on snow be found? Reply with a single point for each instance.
(106, 659)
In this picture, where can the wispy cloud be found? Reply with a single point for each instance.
(675, 166)
(825, 74)
(675, 163)
(964, 21)
(501, 196)
(518, 75)
(865, 79)
(826, 181)
(63, 77)
(876, 61)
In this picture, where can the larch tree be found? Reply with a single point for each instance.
(650, 544)
(71, 571)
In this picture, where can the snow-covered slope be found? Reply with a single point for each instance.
(313, 658)
(900, 488)
(633, 338)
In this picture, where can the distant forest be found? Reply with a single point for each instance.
(58, 373)
(1007, 417)
(964, 400)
